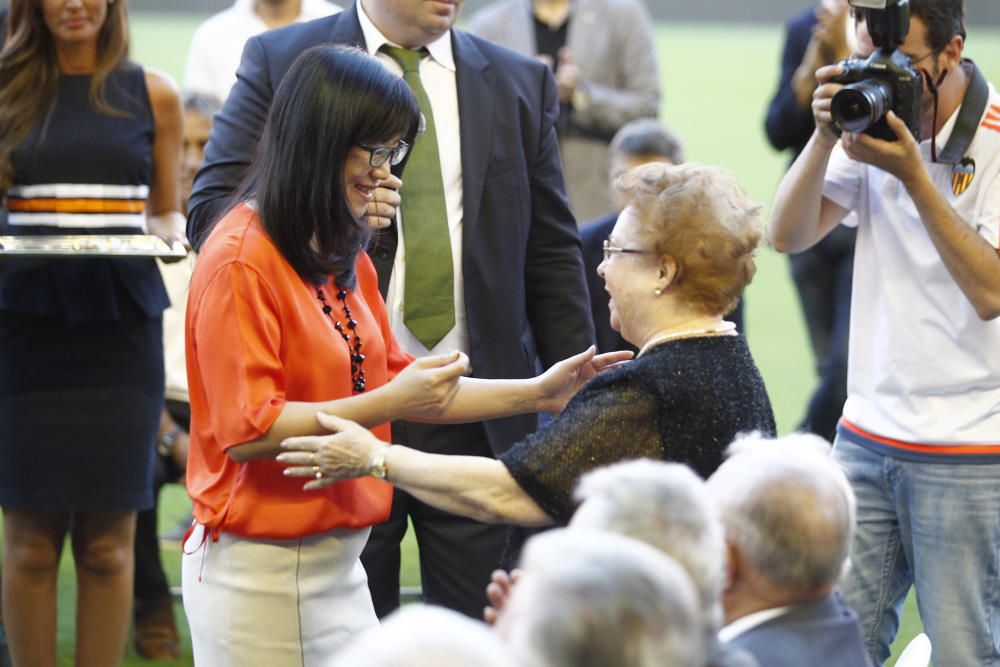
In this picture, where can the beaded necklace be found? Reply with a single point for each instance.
(357, 359)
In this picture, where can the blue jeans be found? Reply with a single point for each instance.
(935, 526)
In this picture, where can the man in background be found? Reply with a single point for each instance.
(590, 597)
(603, 55)
(819, 36)
(788, 515)
(155, 633)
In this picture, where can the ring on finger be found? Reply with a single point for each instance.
(317, 472)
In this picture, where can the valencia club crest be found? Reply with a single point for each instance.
(962, 175)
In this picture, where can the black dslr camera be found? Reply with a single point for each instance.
(885, 81)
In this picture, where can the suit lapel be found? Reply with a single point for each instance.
(347, 29)
(475, 84)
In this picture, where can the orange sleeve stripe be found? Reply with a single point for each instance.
(919, 447)
(991, 126)
(76, 205)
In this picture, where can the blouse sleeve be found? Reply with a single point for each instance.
(610, 420)
(237, 344)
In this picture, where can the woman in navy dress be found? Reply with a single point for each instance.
(89, 144)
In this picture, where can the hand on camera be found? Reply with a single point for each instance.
(901, 158)
(822, 99)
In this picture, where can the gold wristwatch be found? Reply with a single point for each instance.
(377, 467)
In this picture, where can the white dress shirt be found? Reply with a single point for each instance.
(747, 623)
(437, 73)
(218, 43)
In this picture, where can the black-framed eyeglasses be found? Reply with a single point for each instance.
(615, 250)
(914, 61)
(378, 155)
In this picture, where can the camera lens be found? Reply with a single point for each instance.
(858, 106)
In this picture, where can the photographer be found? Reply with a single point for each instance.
(921, 426)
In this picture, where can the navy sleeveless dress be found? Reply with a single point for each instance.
(81, 352)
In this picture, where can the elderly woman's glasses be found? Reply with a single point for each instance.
(615, 250)
(378, 155)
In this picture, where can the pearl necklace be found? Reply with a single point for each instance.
(725, 329)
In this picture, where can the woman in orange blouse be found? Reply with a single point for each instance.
(284, 319)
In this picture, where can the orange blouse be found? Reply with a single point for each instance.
(257, 337)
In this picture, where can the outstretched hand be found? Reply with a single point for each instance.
(344, 454)
(427, 386)
(559, 384)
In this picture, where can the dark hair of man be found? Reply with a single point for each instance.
(332, 99)
(648, 136)
(202, 104)
(29, 73)
(943, 19)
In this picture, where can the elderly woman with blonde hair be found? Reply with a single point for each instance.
(676, 262)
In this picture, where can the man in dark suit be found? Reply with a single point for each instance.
(788, 515)
(822, 274)
(519, 292)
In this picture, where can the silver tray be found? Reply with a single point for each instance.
(95, 245)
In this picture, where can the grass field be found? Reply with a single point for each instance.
(717, 81)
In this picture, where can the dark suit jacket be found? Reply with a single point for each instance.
(524, 289)
(818, 633)
(788, 125)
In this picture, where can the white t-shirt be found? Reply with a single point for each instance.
(923, 367)
(217, 45)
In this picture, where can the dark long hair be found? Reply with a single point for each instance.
(332, 99)
(29, 73)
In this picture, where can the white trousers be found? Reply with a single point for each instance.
(274, 603)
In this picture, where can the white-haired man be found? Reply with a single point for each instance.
(591, 599)
(666, 506)
(788, 514)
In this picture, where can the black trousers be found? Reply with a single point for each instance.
(457, 554)
(823, 276)
(150, 579)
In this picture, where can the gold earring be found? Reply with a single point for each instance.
(658, 291)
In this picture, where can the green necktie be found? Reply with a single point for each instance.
(429, 292)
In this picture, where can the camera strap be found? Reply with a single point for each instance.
(969, 114)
